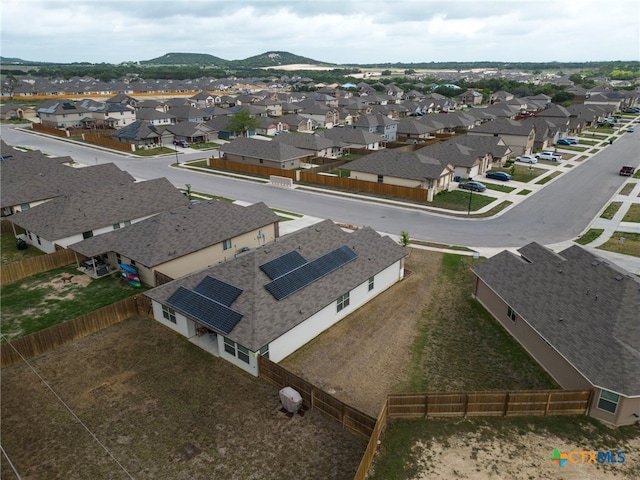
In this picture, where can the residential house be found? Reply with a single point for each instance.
(81, 214)
(318, 146)
(61, 114)
(252, 151)
(13, 111)
(274, 299)
(471, 97)
(28, 179)
(155, 117)
(187, 113)
(577, 315)
(143, 134)
(351, 138)
(520, 137)
(325, 117)
(271, 126)
(192, 132)
(413, 129)
(408, 169)
(185, 239)
(377, 124)
(298, 123)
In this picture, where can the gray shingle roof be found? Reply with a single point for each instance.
(30, 178)
(265, 318)
(396, 163)
(584, 307)
(351, 136)
(179, 231)
(98, 207)
(267, 150)
(306, 141)
(504, 126)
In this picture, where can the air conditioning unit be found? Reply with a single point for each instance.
(290, 399)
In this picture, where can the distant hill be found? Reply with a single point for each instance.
(273, 59)
(186, 59)
(18, 61)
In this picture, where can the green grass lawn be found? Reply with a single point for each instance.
(524, 192)
(633, 214)
(525, 173)
(611, 210)
(623, 242)
(43, 300)
(9, 252)
(458, 200)
(548, 178)
(154, 151)
(499, 187)
(589, 236)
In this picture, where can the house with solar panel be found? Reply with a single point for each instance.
(274, 299)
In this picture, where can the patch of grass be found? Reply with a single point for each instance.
(611, 210)
(290, 214)
(9, 252)
(637, 174)
(499, 188)
(341, 173)
(629, 246)
(42, 300)
(633, 214)
(526, 173)
(626, 190)
(458, 200)
(441, 245)
(548, 178)
(589, 236)
(398, 460)
(205, 146)
(154, 151)
(460, 346)
(524, 192)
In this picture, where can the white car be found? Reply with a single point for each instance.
(527, 159)
(553, 157)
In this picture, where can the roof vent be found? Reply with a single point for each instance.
(595, 263)
(618, 277)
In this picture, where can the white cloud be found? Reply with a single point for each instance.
(338, 31)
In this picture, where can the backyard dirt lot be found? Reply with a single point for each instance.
(364, 357)
(164, 409)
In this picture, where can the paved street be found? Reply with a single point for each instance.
(556, 213)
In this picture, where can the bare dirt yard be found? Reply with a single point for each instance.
(164, 409)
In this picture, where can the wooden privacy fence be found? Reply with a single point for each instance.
(500, 403)
(50, 130)
(252, 169)
(108, 142)
(372, 446)
(351, 419)
(30, 266)
(69, 331)
(420, 194)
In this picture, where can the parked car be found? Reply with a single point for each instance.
(630, 130)
(527, 159)
(473, 185)
(181, 143)
(627, 170)
(573, 141)
(564, 141)
(504, 176)
(552, 157)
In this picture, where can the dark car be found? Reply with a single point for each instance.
(504, 176)
(564, 141)
(181, 143)
(473, 185)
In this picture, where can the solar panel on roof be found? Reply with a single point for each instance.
(204, 310)
(283, 264)
(217, 290)
(299, 278)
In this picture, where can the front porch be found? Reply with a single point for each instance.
(206, 339)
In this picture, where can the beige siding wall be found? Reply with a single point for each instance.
(624, 412)
(389, 180)
(288, 165)
(215, 253)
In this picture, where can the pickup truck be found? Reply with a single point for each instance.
(627, 170)
(554, 157)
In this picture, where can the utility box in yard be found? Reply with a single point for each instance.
(290, 399)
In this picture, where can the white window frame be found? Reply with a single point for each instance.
(226, 244)
(511, 313)
(169, 313)
(371, 283)
(602, 399)
(342, 302)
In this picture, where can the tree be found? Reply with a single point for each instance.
(242, 122)
(404, 238)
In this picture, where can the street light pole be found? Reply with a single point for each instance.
(177, 160)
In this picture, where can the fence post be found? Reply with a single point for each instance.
(546, 410)
(466, 402)
(313, 398)
(506, 405)
(426, 406)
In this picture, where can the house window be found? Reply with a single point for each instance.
(38, 238)
(511, 313)
(243, 353)
(133, 263)
(342, 301)
(261, 160)
(169, 314)
(127, 223)
(226, 245)
(371, 285)
(380, 178)
(118, 259)
(230, 347)
(25, 206)
(264, 351)
(116, 226)
(608, 401)
(88, 234)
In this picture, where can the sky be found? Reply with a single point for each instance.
(334, 31)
